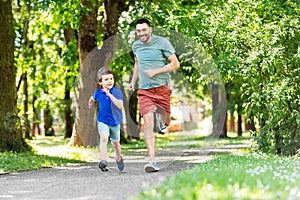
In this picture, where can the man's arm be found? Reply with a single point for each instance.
(171, 66)
(135, 76)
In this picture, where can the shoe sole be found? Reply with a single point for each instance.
(103, 166)
(160, 132)
(150, 169)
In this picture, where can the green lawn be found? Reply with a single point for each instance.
(250, 176)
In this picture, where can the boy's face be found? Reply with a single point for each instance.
(107, 81)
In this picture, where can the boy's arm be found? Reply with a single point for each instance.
(118, 103)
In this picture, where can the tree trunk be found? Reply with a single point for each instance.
(240, 130)
(69, 35)
(91, 60)
(215, 102)
(25, 82)
(130, 107)
(10, 135)
(218, 111)
(232, 122)
(224, 129)
(36, 118)
(84, 131)
(25, 104)
(48, 121)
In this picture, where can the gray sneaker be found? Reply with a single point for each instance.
(151, 167)
(120, 164)
(162, 128)
(103, 165)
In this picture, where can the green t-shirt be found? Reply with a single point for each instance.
(152, 55)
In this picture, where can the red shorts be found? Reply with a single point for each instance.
(155, 100)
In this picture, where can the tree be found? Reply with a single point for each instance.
(10, 134)
(91, 59)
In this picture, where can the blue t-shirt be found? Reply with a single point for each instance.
(108, 113)
(152, 55)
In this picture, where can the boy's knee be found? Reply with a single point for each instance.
(104, 138)
(116, 144)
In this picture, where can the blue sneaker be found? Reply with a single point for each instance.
(103, 165)
(120, 164)
(151, 167)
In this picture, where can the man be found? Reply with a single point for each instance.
(154, 59)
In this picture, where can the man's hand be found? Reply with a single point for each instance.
(150, 72)
(131, 86)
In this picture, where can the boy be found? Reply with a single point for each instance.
(110, 101)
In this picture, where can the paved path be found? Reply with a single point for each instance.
(86, 181)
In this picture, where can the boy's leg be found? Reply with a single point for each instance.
(115, 141)
(103, 146)
(119, 159)
(103, 131)
(117, 148)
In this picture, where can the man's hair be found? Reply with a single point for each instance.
(142, 21)
(104, 71)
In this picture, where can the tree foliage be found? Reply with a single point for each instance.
(253, 45)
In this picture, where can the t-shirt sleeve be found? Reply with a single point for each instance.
(168, 48)
(119, 95)
(94, 95)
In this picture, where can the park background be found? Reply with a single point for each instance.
(245, 72)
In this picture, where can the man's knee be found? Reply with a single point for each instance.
(148, 125)
(148, 120)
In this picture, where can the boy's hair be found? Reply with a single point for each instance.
(104, 71)
(142, 21)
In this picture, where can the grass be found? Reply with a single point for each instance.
(48, 152)
(250, 176)
(15, 162)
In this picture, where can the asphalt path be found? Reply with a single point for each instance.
(85, 181)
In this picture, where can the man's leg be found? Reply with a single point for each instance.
(149, 135)
(150, 142)
(163, 119)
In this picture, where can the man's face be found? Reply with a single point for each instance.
(143, 32)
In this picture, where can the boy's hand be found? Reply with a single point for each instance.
(91, 102)
(106, 90)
